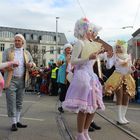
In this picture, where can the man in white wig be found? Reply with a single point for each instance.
(16, 78)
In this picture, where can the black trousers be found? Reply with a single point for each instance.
(63, 91)
(54, 87)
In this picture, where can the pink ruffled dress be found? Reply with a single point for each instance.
(85, 91)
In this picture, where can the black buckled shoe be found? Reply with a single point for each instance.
(60, 109)
(20, 125)
(91, 129)
(14, 127)
(95, 126)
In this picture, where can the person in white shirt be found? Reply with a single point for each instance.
(16, 79)
(121, 81)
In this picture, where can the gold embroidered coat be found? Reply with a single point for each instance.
(8, 55)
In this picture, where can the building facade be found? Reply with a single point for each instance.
(134, 45)
(41, 44)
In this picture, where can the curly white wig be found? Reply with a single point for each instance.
(22, 37)
(68, 45)
(82, 26)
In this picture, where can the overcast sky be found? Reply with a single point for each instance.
(111, 15)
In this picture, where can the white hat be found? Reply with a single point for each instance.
(68, 45)
(96, 28)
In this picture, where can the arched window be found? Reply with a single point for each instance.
(2, 47)
(47, 38)
(6, 34)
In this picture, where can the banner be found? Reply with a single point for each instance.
(137, 43)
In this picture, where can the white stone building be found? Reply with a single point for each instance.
(41, 44)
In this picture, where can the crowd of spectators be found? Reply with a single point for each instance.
(43, 83)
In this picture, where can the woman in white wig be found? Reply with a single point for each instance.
(121, 80)
(82, 93)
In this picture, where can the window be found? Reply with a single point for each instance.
(35, 48)
(35, 37)
(59, 50)
(2, 47)
(58, 39)
(11, 45)
(43, 49)
(40, 37)
(6, 34)
(51, 39)
(44, 37)
(27, 36)
(48, 38)
(51, 50)
(54, 38)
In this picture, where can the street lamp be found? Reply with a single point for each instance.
(127, 27)
(56, 38)
(116, 28)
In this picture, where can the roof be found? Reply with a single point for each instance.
(37, 32)
(136, 32)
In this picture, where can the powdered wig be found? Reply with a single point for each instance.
(82, 26)
(22, 37)
(68, 45)
(123, 46)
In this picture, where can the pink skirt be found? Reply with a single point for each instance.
(84, 93)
